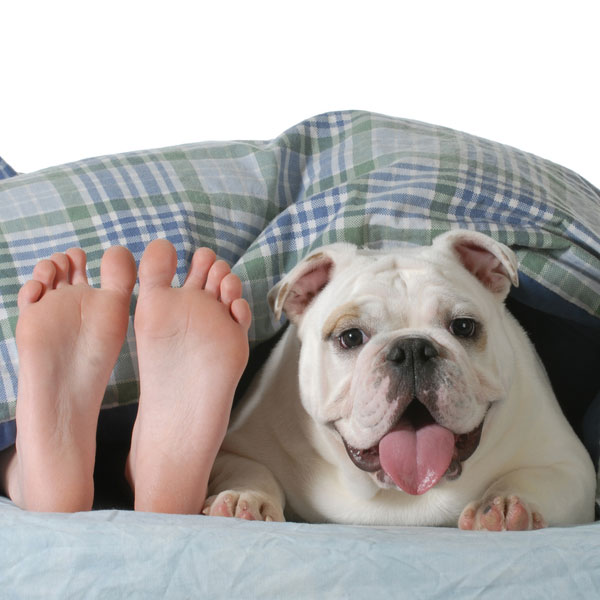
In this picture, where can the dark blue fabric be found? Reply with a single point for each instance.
(6, 170)
(567, 340)
(533, 294)
(8, 432)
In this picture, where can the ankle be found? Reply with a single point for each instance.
(60, 498)
(168, 487)
(178, 501)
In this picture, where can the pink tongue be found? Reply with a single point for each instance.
(416, 459)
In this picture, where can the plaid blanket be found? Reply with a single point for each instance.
(342, 176)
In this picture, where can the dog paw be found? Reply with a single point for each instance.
(251, 506)
(500, 513)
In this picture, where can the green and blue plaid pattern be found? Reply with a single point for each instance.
(343, 176)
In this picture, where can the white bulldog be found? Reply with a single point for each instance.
(403, 393)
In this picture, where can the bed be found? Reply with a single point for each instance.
(262, 205)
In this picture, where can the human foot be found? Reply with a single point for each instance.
(192, 349)
(68, 337)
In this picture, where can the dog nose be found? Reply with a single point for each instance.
(413, 351)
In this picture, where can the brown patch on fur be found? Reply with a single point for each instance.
(345, 315)
(481, 339)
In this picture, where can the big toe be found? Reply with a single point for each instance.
(158, 264)
(117, 270)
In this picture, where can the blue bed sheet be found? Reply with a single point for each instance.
(120, 554)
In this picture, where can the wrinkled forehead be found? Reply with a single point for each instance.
(389, 273)
(407, 285)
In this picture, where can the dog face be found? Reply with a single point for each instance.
(403, 351)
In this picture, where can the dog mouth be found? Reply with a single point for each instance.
(417, 452)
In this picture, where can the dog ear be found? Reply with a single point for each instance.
(493, 263)
(297, 289)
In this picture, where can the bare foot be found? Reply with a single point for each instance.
(68, 336)
(192, 349)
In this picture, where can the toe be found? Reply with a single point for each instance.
(77, 261)
(245, 511)
(202, 261)
(63, 270)
(230, 289)
(45, 272)
(223, 506)
(158, 264)
(240, 311)
(215, 276)
(117, 270)
(517, 515)
(492, 515)
(31, 292)
(467, 517)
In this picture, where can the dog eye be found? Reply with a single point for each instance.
(352, 338)
(463, 327)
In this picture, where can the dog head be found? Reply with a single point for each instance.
(403, 351)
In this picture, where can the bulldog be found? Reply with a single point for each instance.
(403, 393)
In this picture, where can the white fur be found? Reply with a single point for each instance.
(285, 445)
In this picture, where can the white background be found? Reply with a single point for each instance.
(85, 78)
